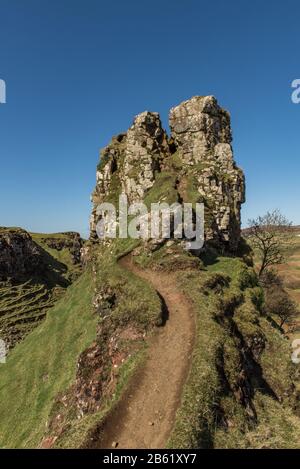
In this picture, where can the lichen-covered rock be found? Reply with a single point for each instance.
(130, 162)
(201, 140)
(201, 132)
(197, 126)
(146, 147)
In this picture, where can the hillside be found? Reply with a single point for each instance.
(42, 365)
(34, 273)
(156, 345)
(290, 274)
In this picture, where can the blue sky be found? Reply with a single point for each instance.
(77, 71)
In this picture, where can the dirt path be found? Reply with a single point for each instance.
(145, 416)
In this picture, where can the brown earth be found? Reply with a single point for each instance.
(145, 415)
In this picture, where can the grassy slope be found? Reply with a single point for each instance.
(63, 256)
(30, 387)
(290, 273)
(21, 308)
(25, 304)
(137, 306)
(210, 415)
(43, 365)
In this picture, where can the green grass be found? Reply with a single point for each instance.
(42, 236)
(81, 432)
(136, 301)
(163, 190)
(127, 301)
(195, 417)
(62, 256)
(227, 304)
(228, 307)
(43, 365)
(21, 308)
(168, 258)
(24, 304)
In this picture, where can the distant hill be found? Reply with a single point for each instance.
(293, 228)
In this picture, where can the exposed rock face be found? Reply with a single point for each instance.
(137, 155)
(21, 257)
(202, 135)
(197, 126)
(130, 162)
(146, 147)
(69, 240)
(201, 140)
(19, 254)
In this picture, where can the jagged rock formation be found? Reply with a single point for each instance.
(197, 126)
(146, 147)
(19, 255)
(130, 162)
(202, 135)
(201, 141)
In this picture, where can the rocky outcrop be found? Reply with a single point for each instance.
(146, 147)
(19, 254)
(130, 162)
(197, 126)
(201, 132)
(21, 257)
(69, 240)
(201, 140)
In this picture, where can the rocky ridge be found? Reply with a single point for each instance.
(200, 143)
(19, 254)
(21, 257)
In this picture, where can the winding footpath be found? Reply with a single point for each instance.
(145, 415)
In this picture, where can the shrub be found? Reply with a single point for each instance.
(278, 303)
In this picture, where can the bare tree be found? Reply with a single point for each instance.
(267, 235)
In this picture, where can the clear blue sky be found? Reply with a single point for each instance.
(77, 71)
